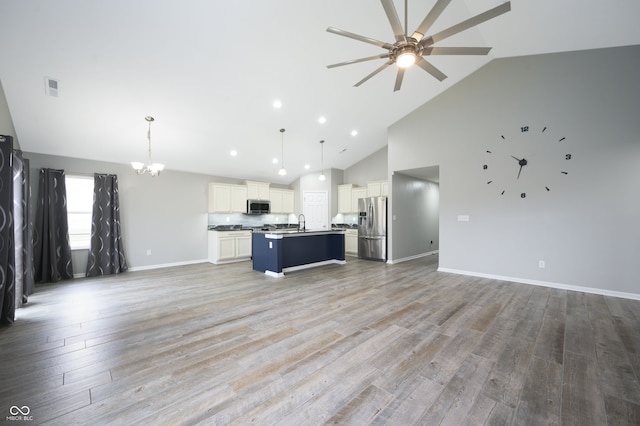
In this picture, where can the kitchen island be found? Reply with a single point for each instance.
(277, 252)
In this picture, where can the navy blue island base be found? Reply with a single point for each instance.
(277, 252)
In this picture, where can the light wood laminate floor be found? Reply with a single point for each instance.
(363, 343)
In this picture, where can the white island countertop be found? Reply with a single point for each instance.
(286, 233)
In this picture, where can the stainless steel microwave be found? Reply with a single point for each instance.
(258, 206)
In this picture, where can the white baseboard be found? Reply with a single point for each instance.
(144, 268)
(167, 265)
(313, 265)
(305, 266)
(559, 286)
(417, 256)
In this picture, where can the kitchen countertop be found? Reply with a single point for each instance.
(280, 233)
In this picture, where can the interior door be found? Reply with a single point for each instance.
(316, 209)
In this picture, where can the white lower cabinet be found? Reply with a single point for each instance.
(351, 242)
(243, 245)
(229, 246)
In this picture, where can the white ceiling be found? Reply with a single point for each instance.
(209, 71)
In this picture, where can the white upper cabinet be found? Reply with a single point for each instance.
(344, 198)
(238, 198)
(348, 196)
(281, 200)
(356, 194)
(257, 190)
(226, 198)
(377, 188)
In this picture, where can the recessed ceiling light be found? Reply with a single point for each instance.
(277, 104)
(233, 153)
(307, 166)
(354, 133)
(274, 161)
(322, 120)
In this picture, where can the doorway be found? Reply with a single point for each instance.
(315, 207)
(415, 213)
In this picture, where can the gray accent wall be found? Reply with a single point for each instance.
(585, 228)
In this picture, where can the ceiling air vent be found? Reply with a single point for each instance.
(51, 86)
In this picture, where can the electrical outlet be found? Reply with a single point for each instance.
(541, 264)
(148, 252)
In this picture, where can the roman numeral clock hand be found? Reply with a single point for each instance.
(522, 162)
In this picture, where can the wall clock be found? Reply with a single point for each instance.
(526, 161)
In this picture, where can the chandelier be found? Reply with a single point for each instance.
(154, 169)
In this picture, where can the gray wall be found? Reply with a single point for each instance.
(166, 214)
(415, 222)
(373, 167)
(585, 228)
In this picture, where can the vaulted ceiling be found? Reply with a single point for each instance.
(209, 72)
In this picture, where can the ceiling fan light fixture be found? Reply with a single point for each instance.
(406, 59)
(408, 50)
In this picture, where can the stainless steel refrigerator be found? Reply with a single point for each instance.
(372, 228)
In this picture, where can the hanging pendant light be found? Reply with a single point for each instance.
(322, 177)
(282, 171)
(154, 169)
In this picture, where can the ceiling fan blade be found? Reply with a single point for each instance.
(382, 67)
(455, 51)
(399, 77)
(431, 17)
(355, 61)
(392, 16)
(464, 25)
(422, 63)
(360, 38)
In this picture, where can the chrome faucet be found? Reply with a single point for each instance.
(301, 222)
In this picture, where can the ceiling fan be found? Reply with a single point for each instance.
(407, 50)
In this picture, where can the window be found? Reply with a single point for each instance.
(79, 208)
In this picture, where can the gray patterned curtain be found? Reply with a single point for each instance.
(52, 252)
(23, 229)
(106, 253)
(7, 278)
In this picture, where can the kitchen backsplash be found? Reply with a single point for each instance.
(348, 219)
(251, 220)
(273, 219)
